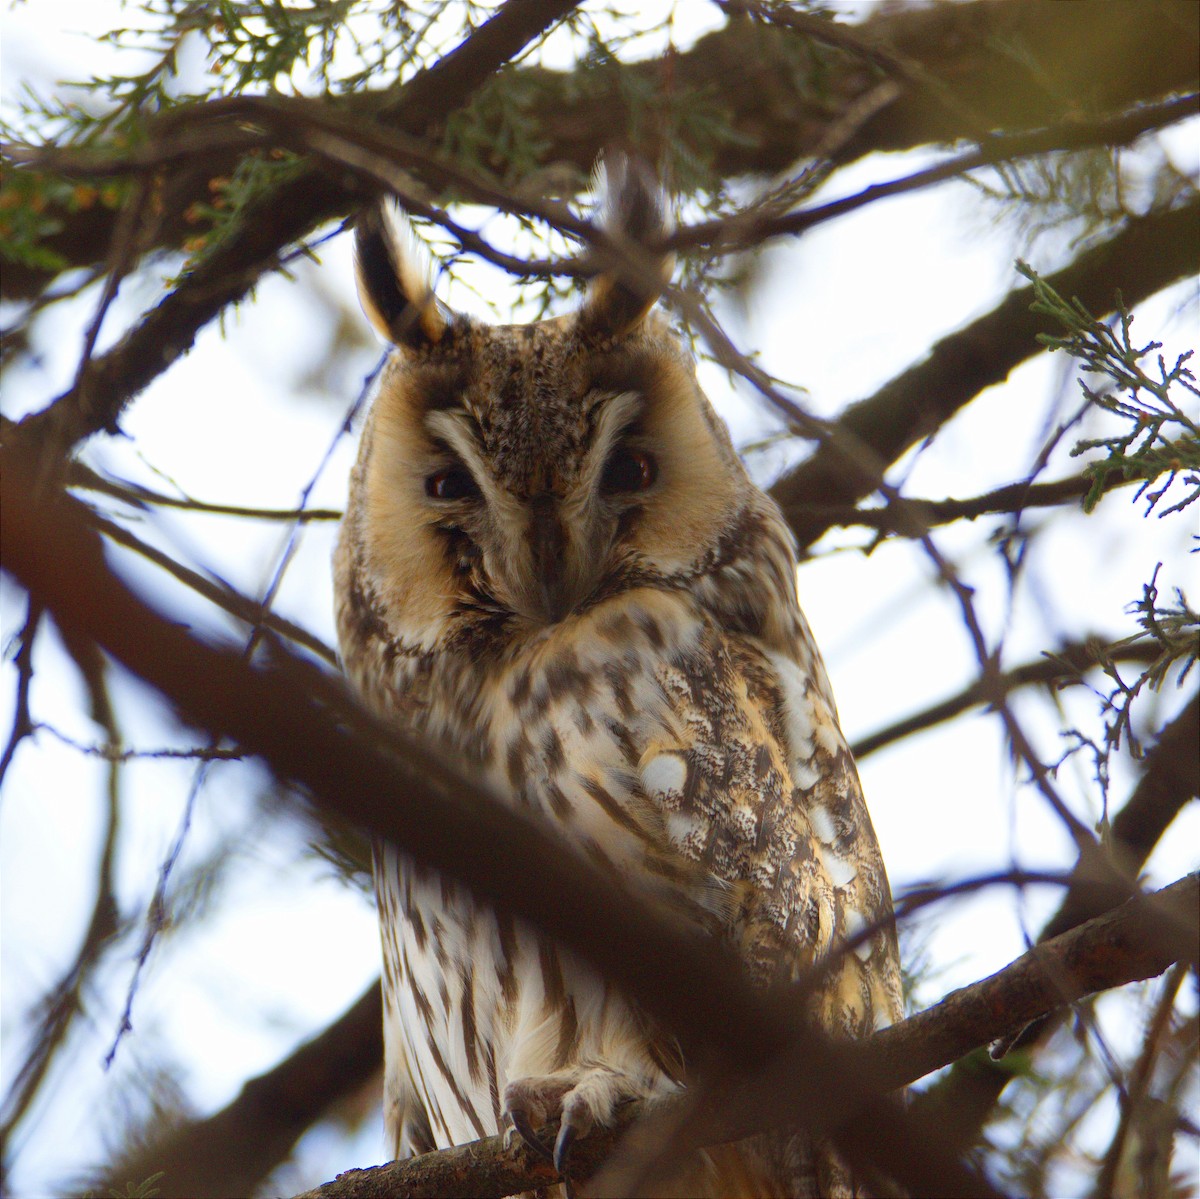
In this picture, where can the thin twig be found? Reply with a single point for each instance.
(22, 725)
(1056, 668)
(1139, 1082)
(81, 475)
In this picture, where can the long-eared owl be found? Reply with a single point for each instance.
(554, 565)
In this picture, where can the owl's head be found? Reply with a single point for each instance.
(514, 475)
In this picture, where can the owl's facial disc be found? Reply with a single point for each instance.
(543, 542)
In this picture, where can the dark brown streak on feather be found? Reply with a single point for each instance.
(463, 1101)
(470, 1039)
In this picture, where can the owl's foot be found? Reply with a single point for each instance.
(580, 1098)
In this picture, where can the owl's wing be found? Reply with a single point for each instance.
(771, 804)
(711, 769)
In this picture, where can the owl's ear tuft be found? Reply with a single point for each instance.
(635, 214)
(393, 290)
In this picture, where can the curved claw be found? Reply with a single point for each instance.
(525, 1131)
(562, 1147)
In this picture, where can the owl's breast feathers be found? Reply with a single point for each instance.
(712, 768)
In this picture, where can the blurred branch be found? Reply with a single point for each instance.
(774, 95)
(1011, 499)
(22, 725)
(752, 227)
(1134, 1095)
(252, 613)
(1055, 668)
(1139, 940)
(62, 1002)
(79, 474)
(963, 1101)
(1171, 777)
(1147, 255)
(229, 1153)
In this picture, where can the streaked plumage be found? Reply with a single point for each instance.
(554, 564)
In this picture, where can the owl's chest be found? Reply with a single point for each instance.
(648, 736)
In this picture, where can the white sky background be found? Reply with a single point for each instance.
(248, 416)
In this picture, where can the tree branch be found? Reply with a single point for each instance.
(1149, 254)
(1011, 499)
(1065, 665)
(312, 735)
(772, 94)
(1138, 940)
(228, 1154)
(962, 1102)
(1170, 778)
(283, 215)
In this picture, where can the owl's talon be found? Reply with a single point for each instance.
(562, 1148)
(520, 1121)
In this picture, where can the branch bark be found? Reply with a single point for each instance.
(307, 729)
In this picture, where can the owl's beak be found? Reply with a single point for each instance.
(548, 548)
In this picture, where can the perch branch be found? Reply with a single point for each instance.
(1138, 940)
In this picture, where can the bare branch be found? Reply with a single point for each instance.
(22, 725)
(230, 1152)
(963, 1100)
(1057, 668)
(254, 614)
(752, 228)
(1146, 256)
(1170, 778)
(1135, 1094)
(81, 475)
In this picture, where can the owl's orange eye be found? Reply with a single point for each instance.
(628, 471)
(452, 483)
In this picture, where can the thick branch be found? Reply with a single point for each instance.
(190, 1156)
(1150, 253)
(1139, 940)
